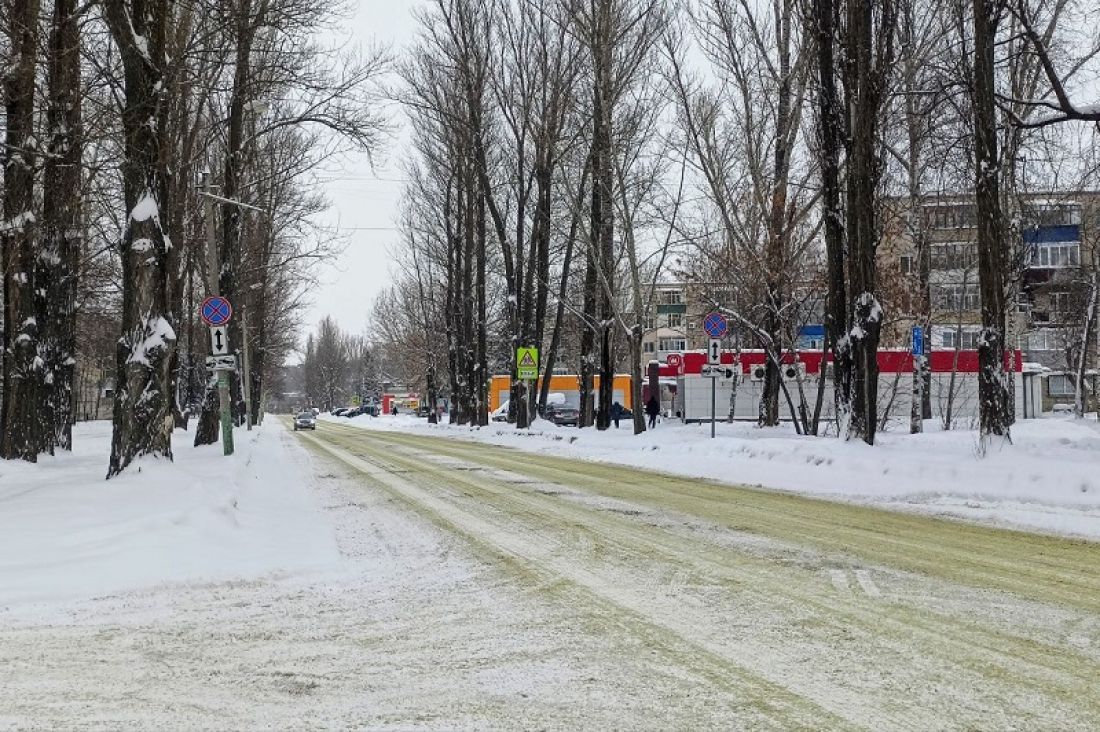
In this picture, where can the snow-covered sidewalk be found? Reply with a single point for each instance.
(67, 534)
(1048, 479)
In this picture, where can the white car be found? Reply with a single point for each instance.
(305, 421)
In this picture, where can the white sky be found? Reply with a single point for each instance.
(364, 200)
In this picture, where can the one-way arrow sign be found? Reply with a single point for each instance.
(219, 342)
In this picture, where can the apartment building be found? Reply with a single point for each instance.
(674, 324)
(1052, 258)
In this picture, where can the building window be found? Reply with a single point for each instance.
(649, 322)
(675, 320)
(671, 297)
(649, 347)
(1042, 340)
(672, 344)
(907, 264)
(967, 340)
(1061, 303)
(1060, 385)
(1053, 214)
(1065, 254)
(955, 255)
(722, 297)
(956, 297)
(960, 216)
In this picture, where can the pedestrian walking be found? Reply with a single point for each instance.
(652, 408)
(616, 413)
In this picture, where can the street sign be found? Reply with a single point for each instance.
(714, 351)
(717, 372)
(216, 311)
(219, 342)
(715, 325)
(527, 364)
(918, 340)
(221, 363)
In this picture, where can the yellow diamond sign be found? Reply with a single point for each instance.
(527, 363)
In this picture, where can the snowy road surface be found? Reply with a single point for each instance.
(482, 587)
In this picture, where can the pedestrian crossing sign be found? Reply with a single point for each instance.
(527, 363)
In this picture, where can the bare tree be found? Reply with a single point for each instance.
(19, 428)
(995, 411)
(143, 402)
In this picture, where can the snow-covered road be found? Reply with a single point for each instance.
(482, 587)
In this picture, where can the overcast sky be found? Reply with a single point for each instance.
(364, 200)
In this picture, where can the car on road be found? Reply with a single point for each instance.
(562, 414)
(341, 411)
(305, 421)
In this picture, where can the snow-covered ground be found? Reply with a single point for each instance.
(66, 533)
(1047, 479)
(275, 590)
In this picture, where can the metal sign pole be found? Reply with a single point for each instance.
(713, 403)
(226, 417)
(246, 386)
(215, 268)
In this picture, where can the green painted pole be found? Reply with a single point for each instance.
(226, 415)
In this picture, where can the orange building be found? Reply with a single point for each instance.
(566, 384)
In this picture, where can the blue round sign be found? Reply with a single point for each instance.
(216, 311)
(715, 325)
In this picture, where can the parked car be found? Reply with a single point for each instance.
(561, 414)
(305, 421)
(371, 409)
(341, 411)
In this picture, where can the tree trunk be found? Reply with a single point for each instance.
(830, 126)
(588, 325)
(994, 408)
(143, 402)
(59, 258)
(563, 289)
(19, 426)
(603, 214)
(866, 74)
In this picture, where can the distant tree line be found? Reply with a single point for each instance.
(339, 367)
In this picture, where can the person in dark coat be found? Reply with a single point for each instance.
(616, 413)
(652, 408)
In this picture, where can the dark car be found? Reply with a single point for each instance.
(561, 414)
(305, 421)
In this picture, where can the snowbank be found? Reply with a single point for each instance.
(1048, 479)
(66, 533)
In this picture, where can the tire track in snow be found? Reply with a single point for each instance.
(983, 652)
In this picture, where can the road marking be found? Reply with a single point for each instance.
(863, 577)
(842, 583)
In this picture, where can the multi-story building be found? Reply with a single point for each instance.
(674, 324)
(1052, 263)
